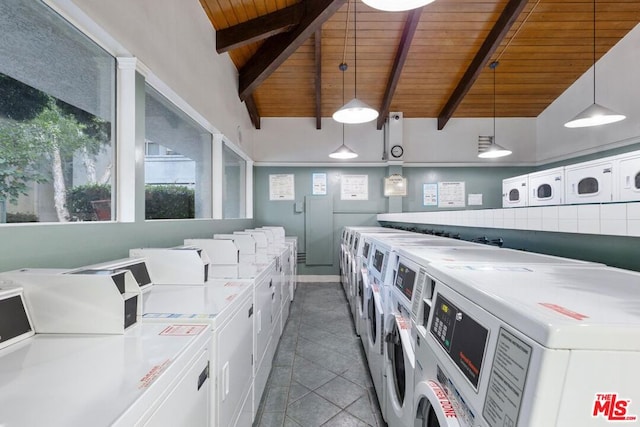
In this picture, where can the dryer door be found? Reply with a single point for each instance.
(374, 322)
(433, 408)
(629, 178)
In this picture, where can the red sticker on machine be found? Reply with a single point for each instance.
(563, 310)
(443, 400)
(153, 374)
(402, 322)
(612, 408)
(183, 330)
(234, 284)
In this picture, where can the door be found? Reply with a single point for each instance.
(546, 187)
(515, 192)
(629, 177)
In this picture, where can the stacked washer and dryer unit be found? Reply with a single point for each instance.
(474, 335)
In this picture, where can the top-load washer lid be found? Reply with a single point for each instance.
(560, 307)
(94, 380)
(483, 254)
(193, 303)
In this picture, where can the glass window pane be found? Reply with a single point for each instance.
(233, 200)
(177, 166)
(57, 105)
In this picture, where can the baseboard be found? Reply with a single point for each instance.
(318, 278)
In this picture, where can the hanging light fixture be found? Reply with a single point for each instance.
(595, 114)
(396, 5)
(487, 147)
(343, 152)
(354, 111)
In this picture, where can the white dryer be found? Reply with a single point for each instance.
(546, 187)
(529, 345)
(590, 182)
(515, 192)
(628, 167)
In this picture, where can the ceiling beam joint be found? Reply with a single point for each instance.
(259, 28)
(275, 50)
(254, 115)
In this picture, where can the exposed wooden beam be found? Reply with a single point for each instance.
(259, 28)
(250, 103)
(318, 80)
(396, 70)
(489, 46)
(278, 48)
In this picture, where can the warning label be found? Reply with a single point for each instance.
(183, 330)
(563, 310)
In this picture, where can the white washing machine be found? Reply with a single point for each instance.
(156, 375)
(227, 306)
(528, 345)
(546, 187)
(628, 167)
(358, 258)
(399, 346)
(515, 192)
(590, 182)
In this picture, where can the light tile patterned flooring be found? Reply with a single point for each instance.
(319, 375)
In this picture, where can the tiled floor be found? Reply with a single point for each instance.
(319, 376)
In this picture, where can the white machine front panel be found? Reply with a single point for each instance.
(546, 187)
(515, 192)
(234, 358)
(606, 395)
(61, 380)
(628, 167)
(590, 182)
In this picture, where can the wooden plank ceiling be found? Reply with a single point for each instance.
(545, 47)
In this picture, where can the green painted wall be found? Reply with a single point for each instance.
(484, 180)
(78, 244)
(478, 180)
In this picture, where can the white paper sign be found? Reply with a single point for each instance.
(474, 199)
(395, 185)
(281, 187)
(319, 184)
(354, 187)
(430, 194)
(451, 195)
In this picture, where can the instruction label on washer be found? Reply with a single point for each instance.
(506, 382)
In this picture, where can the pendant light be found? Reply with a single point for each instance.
(396, 5)
(343, 152)
(487, 147)
(595, 114)
(354, 111)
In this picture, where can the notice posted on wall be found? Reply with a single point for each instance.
(430, 194)
(354, 187)
(319, 184)
(474, 199)
(451, 194)
(506, 381)
(281, 187)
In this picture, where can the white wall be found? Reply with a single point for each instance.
(291, 140)
(176, 41)
(617, 87)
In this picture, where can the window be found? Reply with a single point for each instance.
(514, 195)
(233, 199)
(544, 191)
(588, 186)
(177, 166)
(57, 108)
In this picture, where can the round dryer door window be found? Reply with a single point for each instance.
(360, 291)
(426, 416)
(396, 354)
